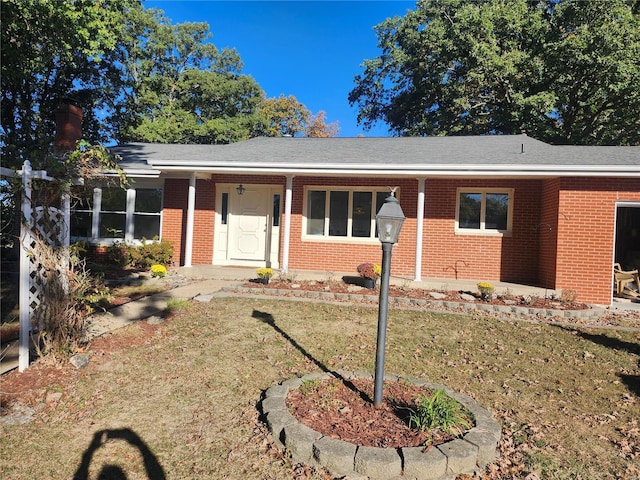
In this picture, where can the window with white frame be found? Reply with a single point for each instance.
(342, 212)
(487, 210)
(111, 213)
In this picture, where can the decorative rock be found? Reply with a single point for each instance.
(272, 404)
(18, 415)
(155, 320)
(335, 455)
(80, 361)
(486, 444)
(378, 463)
(461, 456)
(420, 465)
(437, 295)
(276, 391)
(299, 439)
(203, 298)
(276, 421)
(467, 297)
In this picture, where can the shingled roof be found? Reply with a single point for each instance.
(492, 155)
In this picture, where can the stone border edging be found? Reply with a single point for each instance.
(584, 314)
(465, 455)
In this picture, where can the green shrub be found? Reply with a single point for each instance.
(148, 253)
(118, 254)
(156, 252)
(439, 411)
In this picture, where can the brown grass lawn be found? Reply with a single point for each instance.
(568, 398)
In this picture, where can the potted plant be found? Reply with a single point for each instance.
(369, 273)
(264, 274)
(486, 290)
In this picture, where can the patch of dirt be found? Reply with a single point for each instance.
(344, 410)
(46, 375)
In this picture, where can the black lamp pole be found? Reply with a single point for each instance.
(389, 222)
(383, 310)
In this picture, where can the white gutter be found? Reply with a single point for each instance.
(375, 171)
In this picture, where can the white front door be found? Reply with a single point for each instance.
(249, 222)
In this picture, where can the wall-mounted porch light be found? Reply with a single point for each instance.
(240, 189)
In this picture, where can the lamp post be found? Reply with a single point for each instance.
(389, 221)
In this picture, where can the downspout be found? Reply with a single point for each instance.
(191, 207)
(419, 229)
(288, 195)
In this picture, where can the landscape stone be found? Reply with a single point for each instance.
(299, 439)
(461, 456)
(437, 295)
(420, 465)
(467, 297)
(80, 361)
(378, 463)
(486, 443)
(277, 391)
(335, 455)
(276, 421)
(272, 404)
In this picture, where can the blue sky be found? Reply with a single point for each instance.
(309, 49)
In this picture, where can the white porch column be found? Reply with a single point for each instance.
(419, 227)
(25, 246)
(191, 210)
(288, 195)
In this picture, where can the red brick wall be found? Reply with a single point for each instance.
(203, 223)
(174, 219)
(345, 257)
(548, 232)
(174, 215)
(508, 258)
(586, 227)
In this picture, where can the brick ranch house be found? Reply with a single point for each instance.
(495, 208)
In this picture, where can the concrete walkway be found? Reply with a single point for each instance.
(206, 280)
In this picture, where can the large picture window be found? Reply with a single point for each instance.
(110, 213)
(342, 212)
(487, 211)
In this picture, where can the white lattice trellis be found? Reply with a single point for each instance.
(51, 226)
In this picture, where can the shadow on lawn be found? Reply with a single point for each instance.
(115, 472)
(631, 381)
(267, 318)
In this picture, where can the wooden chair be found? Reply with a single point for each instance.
(623, 278)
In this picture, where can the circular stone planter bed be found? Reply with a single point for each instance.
(465, 455)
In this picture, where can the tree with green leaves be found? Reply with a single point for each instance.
(284, 116)
(179, 88)
(563, 71)
(51, 51)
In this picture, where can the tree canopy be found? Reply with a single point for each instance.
(137, 77)
(563, 71)
(286, 116)
(51, 50)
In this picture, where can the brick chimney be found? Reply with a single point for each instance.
(68, 127)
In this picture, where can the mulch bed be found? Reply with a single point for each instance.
(530, 301)
(344, 410)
